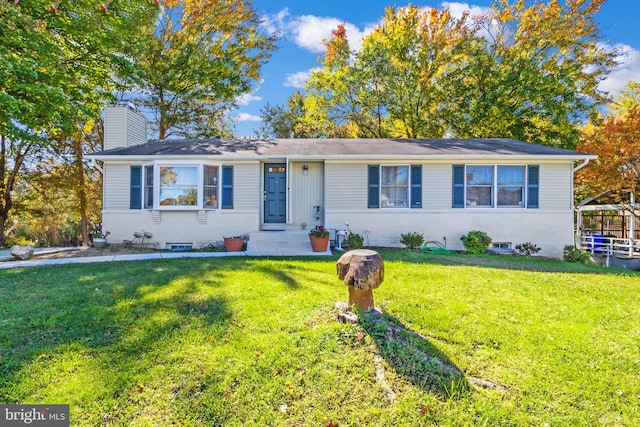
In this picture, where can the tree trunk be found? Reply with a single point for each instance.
(80, 187)
(8, 176)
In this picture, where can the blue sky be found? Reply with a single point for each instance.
(304, 24)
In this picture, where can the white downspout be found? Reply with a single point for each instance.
(95, 164)
(581, 165)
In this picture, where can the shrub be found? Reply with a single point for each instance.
(476, 242)
(573, 254)
(527, 248)
(354, 241)
(412, 240)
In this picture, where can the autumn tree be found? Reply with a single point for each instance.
(616, 142)
(523, 70)
(533, 72)
(58, 63)
(410, 62)
(328, 105)
(59, 196)
(204, 54)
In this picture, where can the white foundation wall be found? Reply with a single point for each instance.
(550, 226)
(196, 228)
(549, 230)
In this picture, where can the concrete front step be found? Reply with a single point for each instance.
(281, 243)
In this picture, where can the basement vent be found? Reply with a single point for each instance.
(179, 246)
(503, 248)
(501, 245)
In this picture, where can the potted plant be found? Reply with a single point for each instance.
(319, 238)
(234, 244)
(100, 239)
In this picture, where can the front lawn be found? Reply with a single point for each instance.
(247, 341)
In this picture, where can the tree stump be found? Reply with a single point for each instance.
(362, 270)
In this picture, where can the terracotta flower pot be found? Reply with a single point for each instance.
(233, 244)
(319, 244)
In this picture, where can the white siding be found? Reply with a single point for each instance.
(116, 182)
(345, 200)
(345, 186)
(123, 127)
(436, 186)
(246, 186)
(306, 191)
(555, 186)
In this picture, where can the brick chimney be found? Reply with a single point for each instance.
(124, 126)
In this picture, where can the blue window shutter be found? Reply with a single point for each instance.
(458, 186)
(135, 189)
(533, 186)
(416, 186)
(374, 186)
(227, 187)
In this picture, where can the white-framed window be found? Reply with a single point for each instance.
(511, 186)
(181, 186)
(178, 185)
(491, 186)
(210, 187)
(479, 186)
(394, 186)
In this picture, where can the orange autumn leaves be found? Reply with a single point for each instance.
(616, 142)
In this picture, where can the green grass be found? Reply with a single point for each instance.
(242, 341)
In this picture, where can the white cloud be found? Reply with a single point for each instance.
(458, 9)
(247, 99)
(310, 32)
(297, 80)
(275, 23)
(246, 117)
(628, 69)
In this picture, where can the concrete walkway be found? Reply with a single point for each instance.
(7, 261)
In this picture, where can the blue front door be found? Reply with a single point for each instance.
(275, 193)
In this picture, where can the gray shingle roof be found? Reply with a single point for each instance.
(319, 148)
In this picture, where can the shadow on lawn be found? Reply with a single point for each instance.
(114, 322)
(414, 357)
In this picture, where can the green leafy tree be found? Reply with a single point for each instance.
(410, 62)
(534, 74)
(203, 55)
(327, 103)
(283, 121)
(524, 70)
(59, 62)
(59, 196)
